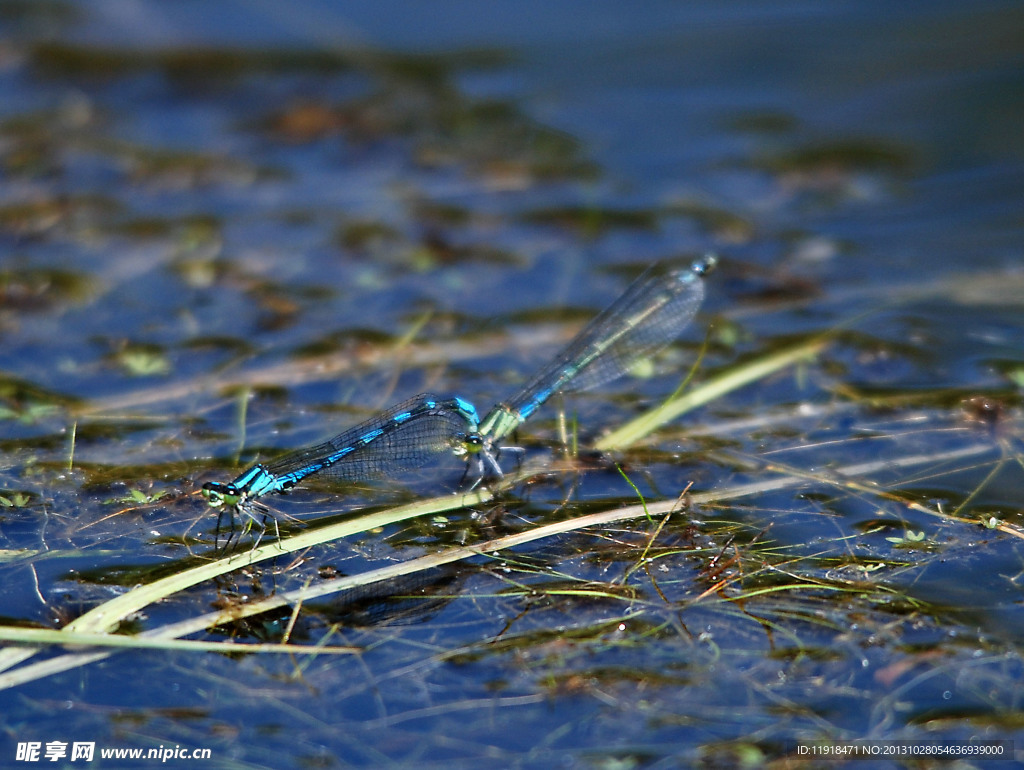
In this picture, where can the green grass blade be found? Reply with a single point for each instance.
(52, 636)
(759, 368)
(108, 615)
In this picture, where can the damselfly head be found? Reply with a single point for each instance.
(218, 494)
(466, 444)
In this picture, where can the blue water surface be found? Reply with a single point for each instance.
(231, 229)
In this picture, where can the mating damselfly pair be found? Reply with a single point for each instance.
(649, 315)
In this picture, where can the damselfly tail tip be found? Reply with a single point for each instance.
(705, 264)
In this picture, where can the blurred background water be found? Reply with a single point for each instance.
(228, 228)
